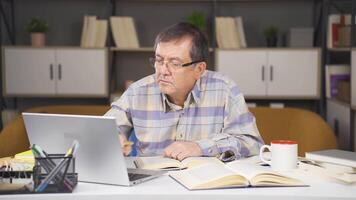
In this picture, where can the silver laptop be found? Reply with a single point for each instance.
(99, 158)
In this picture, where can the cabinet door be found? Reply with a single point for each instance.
(29, 72)
(338, 117)
(82, 72)
(246, 68)
(353, 79)
(293, 73)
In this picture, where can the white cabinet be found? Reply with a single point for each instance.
(273, 73)
(338, 117)
(72, 72)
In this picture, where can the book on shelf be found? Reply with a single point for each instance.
(101, 33)
(241, 31)
(164, 163)
(339, 30)
(230, 32)
(87, 32)
(231, 175)
(124, 32)
(84, 31)
(334, 74)
(94, 33)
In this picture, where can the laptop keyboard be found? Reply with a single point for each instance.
(134, 177)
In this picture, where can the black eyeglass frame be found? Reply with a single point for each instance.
(153, 60)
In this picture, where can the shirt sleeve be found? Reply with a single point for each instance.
(239, 136)
(120, 109)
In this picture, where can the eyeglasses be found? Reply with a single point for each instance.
(172, 64)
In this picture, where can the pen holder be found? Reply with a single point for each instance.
(54, 173)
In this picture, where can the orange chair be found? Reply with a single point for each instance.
(13, 138)
(305, 127)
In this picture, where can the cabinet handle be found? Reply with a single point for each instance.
(59, 72)
(51, 71)
(271, 73)
(263, 73)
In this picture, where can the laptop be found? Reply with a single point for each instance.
(99, 158)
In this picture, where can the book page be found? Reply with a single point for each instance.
(262, 175)
(211, 175)
(191, 162)
(158, 162)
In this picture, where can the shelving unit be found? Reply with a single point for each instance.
(127, 63)
(340, 115)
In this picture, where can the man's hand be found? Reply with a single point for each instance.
(181, 150)
(125, 145)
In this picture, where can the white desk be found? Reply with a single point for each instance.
(166, 188)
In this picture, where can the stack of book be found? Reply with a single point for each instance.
(332, 163)
(333, 75)
(94, 32)
(230, 32)
(339, 31)
(124, 32)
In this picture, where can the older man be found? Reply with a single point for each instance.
(184, 110)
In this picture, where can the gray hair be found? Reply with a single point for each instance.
(199, 50)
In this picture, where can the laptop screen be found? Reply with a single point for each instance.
(99, 158)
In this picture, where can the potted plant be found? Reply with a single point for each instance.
(197, 18)
(271, 35)
(37, 28)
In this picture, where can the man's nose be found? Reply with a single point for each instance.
(164, 69)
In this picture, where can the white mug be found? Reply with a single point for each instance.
(284, 155)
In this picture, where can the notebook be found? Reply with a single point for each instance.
(334, 156)
(99, 158)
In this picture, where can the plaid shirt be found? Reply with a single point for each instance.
(214, 115)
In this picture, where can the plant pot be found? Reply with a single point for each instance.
(38, 39)
(272, 41)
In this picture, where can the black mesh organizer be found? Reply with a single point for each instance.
(54, 173)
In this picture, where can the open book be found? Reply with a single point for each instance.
(235, 174)
(163, 163)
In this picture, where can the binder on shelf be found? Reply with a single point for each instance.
(339, 30)
(230, 33)
(334, 74)
(124, 32)
(94, 33)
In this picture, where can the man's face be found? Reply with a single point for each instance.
(176, 81)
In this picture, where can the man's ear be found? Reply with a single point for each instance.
(200, 69)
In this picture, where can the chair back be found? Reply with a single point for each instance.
(305, 127)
